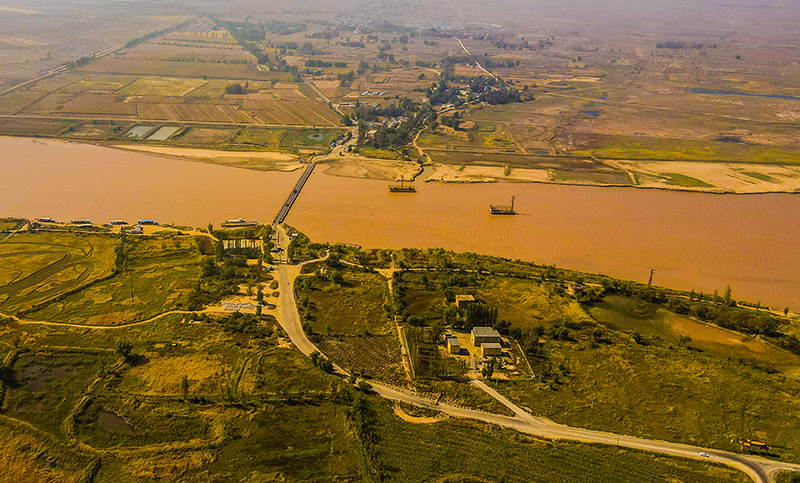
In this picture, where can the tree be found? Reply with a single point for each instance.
(234, 88)
(786, 312)
(364, 386)
(728, 295)
(488, 369)
(480, 315)
(436, 332)
(683, 339)
(637, 337)
(346, 120)
(124, 347)
(184, 386)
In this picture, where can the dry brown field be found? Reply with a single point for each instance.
(196, 136)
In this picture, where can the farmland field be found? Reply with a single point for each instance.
(160, 272)
(37, 267)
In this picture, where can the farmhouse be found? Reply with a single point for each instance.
(453, 345)
(485, 335)
(463, 300)
(491, 349)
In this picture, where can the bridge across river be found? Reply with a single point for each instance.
(284, 211)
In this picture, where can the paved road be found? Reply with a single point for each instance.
(760, 469)
(284, 210)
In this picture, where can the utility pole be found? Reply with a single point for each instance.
(650, 282)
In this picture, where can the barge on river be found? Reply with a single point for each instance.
(238, 223)
(402, 188)
(503, 209)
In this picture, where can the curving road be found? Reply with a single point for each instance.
(760, 469)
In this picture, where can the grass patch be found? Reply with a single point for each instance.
(760, 176)
(258, 137)
(457, 450)
(677, 179)
(348, 306)
(35, 267)
(308, 137)
(371, 152)
(161, 270)
(657, 148)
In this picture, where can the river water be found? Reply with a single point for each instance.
(692, 240)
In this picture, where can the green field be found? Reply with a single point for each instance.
(653, 148)
(350, 306)
(37, 267)
(160, 271)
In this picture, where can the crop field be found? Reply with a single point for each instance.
(166, 86)
(352, 306)
(199, 136)
(375, 357)
(171, 99)
(33, 127)
(524, 459)
(99, 104)
(127, 66)
(160, 272)
(37, 267)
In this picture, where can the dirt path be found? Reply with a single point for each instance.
(414, 419)
(107, 327)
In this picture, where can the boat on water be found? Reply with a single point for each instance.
(503, 209)
(238, 223)
(402, 188)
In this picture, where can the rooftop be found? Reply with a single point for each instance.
(485, 332)
(453, 341)
(491, 345)
(465, 297)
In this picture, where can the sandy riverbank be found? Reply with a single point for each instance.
(370, 168)
(259, 160)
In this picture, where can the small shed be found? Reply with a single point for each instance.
(453, 345)
(491, 349)
(463, 300)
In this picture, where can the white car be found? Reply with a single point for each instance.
(704, 454)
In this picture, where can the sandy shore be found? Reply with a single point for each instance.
(486, 174)
(370, 168)
(720, 177)
(259, 160)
